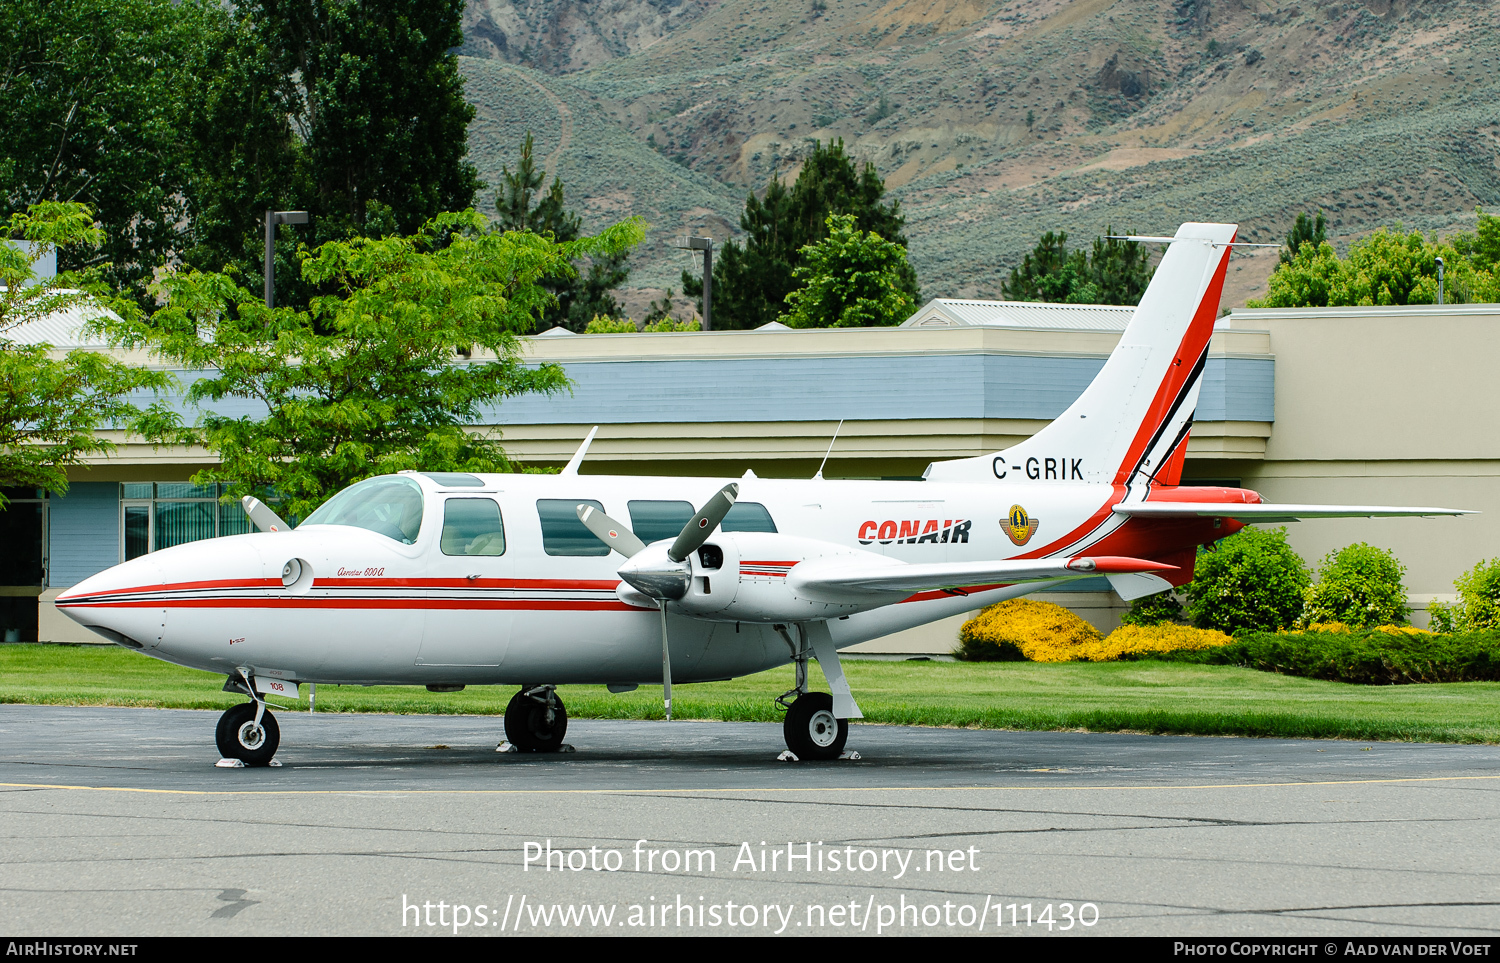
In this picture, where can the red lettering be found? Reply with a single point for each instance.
(867, 533)
(887, 532)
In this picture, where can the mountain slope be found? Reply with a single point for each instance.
(993, 122)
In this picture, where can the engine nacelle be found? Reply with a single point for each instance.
(742, 577)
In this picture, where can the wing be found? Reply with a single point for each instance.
(1275, 513)
(842, 578)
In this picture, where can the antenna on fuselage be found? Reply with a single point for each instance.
(819, 475)
(571, 468)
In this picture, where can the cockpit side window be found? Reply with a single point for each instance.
(387, 504)
(562, 532)
(472, 526)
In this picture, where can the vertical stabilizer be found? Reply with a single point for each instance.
(1132, 421)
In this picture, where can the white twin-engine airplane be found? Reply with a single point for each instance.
(451, 579)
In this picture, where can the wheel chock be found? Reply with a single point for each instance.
(230, 764)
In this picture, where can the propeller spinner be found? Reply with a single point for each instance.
(659, 571)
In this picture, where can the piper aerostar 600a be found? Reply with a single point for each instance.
(448, 580)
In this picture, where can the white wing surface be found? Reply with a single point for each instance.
(840, 578)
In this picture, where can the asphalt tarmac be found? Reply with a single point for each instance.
(117, 823)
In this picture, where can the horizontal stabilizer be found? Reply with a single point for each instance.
(1276, 513)
(836, 579)
(1136, 585)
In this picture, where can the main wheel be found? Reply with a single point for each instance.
(240, 738)
(532, 726)
(811, 730)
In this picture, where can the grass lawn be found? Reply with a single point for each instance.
(1153, 697)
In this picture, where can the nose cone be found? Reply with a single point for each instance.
(653, 573)
(120, 603)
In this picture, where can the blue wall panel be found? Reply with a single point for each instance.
(83, 532)
(1238, 389)
(827, 389)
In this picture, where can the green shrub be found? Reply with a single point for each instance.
(1153, 610)
(1251, 580)
(600, 324)
(1478, 605)
(1360, 586)
(671, 324)
(1388, 656)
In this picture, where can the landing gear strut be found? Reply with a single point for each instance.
(535, 720)
(811, 729)
(247, 732)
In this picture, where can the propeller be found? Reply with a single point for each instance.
(658, 572)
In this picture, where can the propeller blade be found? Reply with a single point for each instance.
(702, 525)
(262, 517)
(609, 531)
(666, 662)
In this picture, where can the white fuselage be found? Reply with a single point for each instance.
(368, 608)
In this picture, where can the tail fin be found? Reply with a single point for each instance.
(1131, 423)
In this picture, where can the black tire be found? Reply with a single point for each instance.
(528, 728)
(811, 730)
(238, 740)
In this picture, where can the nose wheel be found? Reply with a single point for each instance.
(241, 736)
(535, 720)
(811, 730)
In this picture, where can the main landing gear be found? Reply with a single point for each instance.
(535, 720)
(811, 728)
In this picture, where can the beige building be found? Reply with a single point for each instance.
(1342, 405)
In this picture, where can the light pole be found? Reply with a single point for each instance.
(1440, 280)
(274, 218)
(707, 247)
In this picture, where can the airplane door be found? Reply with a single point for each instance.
(469, 574)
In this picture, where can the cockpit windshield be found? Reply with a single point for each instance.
(387, 504)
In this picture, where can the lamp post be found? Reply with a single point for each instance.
(1440, 280)
(274, 218)
(707, 247)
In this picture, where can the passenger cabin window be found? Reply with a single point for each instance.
(562, 532)
(748, 517)
(472, 526)
(653, 521)
(387, 504)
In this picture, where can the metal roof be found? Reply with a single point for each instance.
(61, 329)
(954, 313)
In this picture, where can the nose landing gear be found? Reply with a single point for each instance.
(249, 733)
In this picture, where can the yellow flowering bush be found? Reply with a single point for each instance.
(1024, 629)
(1339, 628)
(1165, 637)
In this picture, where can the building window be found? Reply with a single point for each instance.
(157, 515)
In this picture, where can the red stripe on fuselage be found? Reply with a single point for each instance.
(303, 602)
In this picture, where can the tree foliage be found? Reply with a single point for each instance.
(51, 407)
(1112, 272)
(1252, 580)
(350, 109)
(752, 281)
(587, 291)
(1478, 605)
(1359, 586)
(1389, 267)
(1306, 230)
(366, 379)
(850, 279)
(95, 94)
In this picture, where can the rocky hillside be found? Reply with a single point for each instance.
(995, 121)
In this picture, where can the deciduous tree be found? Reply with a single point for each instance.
(850, 279)
(52, 407)
(366, 379)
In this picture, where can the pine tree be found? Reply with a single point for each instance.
(752, 281)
